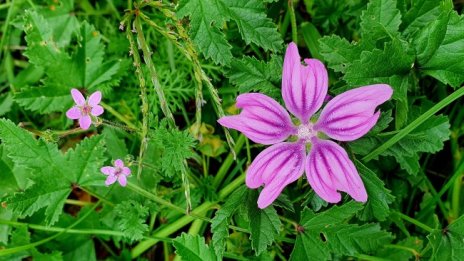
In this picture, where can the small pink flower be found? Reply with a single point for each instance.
(118, 172)
(85, 108)
(346, 117)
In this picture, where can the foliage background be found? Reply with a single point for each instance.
(167, 71)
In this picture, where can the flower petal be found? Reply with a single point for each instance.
(95, 98)
(74, 113)
(275, 168)
(85, 122)
(304, 87)
(122, 180)
(126, 171)
(352, 114)
(97, 110)
(110, 180)
(263, 120)
(328, 169)
(77, 97)
(119, 163)
(107, 170)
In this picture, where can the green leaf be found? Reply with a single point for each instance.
(429, 38)
(390, 65)
(447, 243)
(253, 24)
(206, 18)
(88, 158)
(381, 20)
(45, 99)
(130, 219)
(264, 224)
(250, 74)
(428, 137)
(445, 64)
(175, 146)
(326, 233)
(220, 222)
(338, 52)
(379, 197)
(422, 13)
(51, 172)
(193, 248)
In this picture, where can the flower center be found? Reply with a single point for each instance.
(306, 132)
(118, 171)
(86, 109)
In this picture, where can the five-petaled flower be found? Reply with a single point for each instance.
(85, 108)
(346, 117)
(119, 172)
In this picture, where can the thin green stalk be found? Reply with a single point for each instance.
(412, 250)
(6, 27)
(228, 162)
(421, 119)
(73, 231)
(77, 202)
(12, 250)
(118, 115)
(415, 222)
(183, 221)
(291, 9)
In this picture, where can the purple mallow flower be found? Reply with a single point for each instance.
(85, 108)
(346, 117)
(119, 172)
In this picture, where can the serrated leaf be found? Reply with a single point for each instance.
(445, 64)
(428, 137)
(131, 219)
(193, 248)
(253, 23)
(379, 197)
(250, 74)
(338, 52)
(220, 222)
(88, 159)
(447, 244)
(44, 99)
(390, 65)
(381, 20)
(327, 233)
(206, 17)
(422, 13)
(49, 170)
(264, 224)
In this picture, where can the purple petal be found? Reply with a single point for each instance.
(352, 114)
(122, 180)
(97, 110)
(328, 169)
(95, 98)
(77, 97)
(110, 180)
(107, 170)
(74, 113)
(126, 171)
(85, 122)
(119, 163)
(304, 87)
(262, 119)
(275, 168)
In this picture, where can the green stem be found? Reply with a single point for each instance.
(118, 115)
(421, 119)
(228, 162)
(412, 250)
(415, 222)
(181, 222)
(293, 21)
(12, 250)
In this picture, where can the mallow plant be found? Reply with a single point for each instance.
(231, 130)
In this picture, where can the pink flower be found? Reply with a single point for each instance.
(118, 172)
(85, 108)
(346, 117)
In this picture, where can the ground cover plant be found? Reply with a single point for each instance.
(231, 130)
